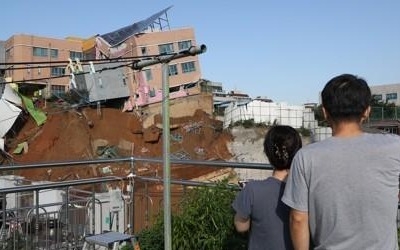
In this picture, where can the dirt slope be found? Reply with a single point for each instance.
(76, 135)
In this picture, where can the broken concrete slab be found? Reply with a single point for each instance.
(126, 145)
(152, 134)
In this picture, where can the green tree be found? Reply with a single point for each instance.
(319, 116)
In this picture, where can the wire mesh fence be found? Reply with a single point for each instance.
(384, 113)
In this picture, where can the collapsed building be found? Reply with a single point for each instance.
(100, 68)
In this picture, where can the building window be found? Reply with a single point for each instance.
(188, 67)
(172, 70)
(144, 51)
(377, 98)
(148, 74)
(166, 48)
(184, 45)
(8, 53)
(57, 89)
(43, 52)
(75, 54)
(391, 96)
(54, 53)
(57, 71)
(89, 56)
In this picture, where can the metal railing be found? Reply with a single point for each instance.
(35, 224)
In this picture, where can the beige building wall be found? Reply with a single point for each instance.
(20, 48)
(30, 48)
(148, 44)
(389, 93)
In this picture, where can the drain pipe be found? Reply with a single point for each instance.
(164, 60)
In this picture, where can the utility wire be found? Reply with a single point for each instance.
(62, 76)
(51, 65)
(58, 64)
(83, 61)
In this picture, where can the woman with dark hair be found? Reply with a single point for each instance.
(258, 206)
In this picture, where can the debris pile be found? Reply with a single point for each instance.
(87, 134)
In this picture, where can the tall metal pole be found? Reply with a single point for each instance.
(164, 60)
(166, 158)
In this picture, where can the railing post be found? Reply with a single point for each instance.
(67, 215)
(132, 197)
(3, 219)
(37, 218)
(93, 210)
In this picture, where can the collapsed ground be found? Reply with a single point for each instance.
(91, 133)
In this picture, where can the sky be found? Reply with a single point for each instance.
(285, 50)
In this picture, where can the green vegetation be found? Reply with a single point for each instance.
(304, 131)
(204, 221)
(319, 116)
(379, 111)
(249, 123)
(384, 111)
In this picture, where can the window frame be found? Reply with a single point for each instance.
(57, 89)
(183, 45)
(144, 51)
(166, 48)
(188, 67)
(391, 96)
(173, 70)
(54, 53)
(57, 71)
(74, 52)
(40, 51)
(148, 74)
(377, 97)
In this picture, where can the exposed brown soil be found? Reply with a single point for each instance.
(76, 135)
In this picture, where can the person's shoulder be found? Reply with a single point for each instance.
(384, 137)
(257, 183)
(313, 146)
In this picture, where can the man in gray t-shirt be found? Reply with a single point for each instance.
(343, 191)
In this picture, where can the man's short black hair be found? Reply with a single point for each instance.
(345, 98)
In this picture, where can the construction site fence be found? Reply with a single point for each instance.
(384, 113)
(37, 218)
(270, 113)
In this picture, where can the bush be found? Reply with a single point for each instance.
(205, 221)
(304, 132)
(249, 123)
(153, 238)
